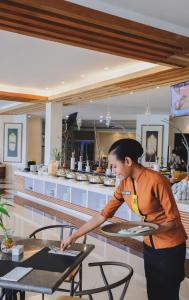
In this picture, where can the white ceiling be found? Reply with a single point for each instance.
(32, 62)
(172, 11)
(41, 66)
(171, 15)
(31, 65)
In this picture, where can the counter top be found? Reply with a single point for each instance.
(83, 185)
(100, 188)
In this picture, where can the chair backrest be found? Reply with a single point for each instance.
(124, 282)
(62, 227)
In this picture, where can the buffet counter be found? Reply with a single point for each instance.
(81, 199)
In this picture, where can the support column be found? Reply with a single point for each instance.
(53, 129)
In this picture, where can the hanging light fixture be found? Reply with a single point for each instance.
(148, 114)
(79, 121)
(108, 119)
(148, 110)
(101, 118)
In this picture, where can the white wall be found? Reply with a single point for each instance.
(11, 167)
(106, 139)
(154, 120)
(53, 129)
(34, 139)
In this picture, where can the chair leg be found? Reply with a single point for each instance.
(43, 296)
(14, 295)
(9, 294)
(22, 295)
(72, 287)
(3, 292)
(80, 279)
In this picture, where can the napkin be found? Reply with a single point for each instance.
(16, 274)
(65, 252)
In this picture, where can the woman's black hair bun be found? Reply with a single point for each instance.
(127, 147)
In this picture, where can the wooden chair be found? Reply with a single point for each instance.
(107, 287)
(75, 284)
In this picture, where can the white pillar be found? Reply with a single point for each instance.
(53, 129)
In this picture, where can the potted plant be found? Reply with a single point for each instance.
(57, 154)
(7, 241)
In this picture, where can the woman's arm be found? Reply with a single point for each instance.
(89, 226)
(166, 227)
(108, 211)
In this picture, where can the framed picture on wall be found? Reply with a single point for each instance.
(12, 142)
(152, 143)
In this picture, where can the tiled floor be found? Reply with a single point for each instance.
(24, 220)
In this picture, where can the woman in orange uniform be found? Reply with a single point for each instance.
(149, 194)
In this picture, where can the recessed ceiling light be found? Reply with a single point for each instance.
(91, 101)
(157, 87)
(62, 82)
(82, 75)
(46, 88)
(131, 93)
(106, 68)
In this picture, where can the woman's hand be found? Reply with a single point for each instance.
(69, 241)
(87, 227)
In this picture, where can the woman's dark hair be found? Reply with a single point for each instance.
(126, 147)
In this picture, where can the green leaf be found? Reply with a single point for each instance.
(2, 226)
(4, 211)
(6, 204)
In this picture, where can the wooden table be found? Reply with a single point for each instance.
(41, 279)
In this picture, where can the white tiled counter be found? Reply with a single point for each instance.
(81, 197)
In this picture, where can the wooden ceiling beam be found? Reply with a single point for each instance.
(140, 81)
(19, 97)
(71, 36)
(90, 45)
(96, 17)
(90, 42)
(165, 76)
(119, 88)
(72, 24)
(19, 11)
(83, 34)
